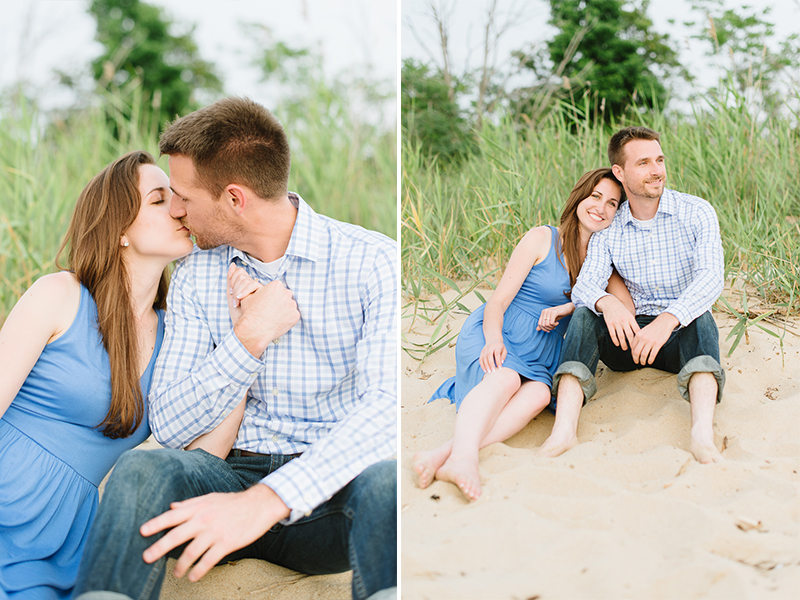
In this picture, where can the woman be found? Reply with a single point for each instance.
(508, 349)
(78, 352)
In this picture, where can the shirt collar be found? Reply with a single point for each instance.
(304, 242)
(667, 204)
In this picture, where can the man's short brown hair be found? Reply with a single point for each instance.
(616, 145)
(234, 140)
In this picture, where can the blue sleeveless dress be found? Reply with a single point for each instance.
(533, 354)
(53, 457)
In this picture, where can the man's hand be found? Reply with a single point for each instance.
(650, 338)
(218, 524)
(621, 323)
(267, 314)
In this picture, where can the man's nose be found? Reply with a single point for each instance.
(176, 209)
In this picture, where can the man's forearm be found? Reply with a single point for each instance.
(191, 403)
(365, 437)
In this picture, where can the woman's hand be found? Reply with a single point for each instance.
(492, 356)
(550, 317)
(240, 285)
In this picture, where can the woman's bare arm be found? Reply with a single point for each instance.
(533, 247)
(618, 289)
(220, 440)
(41, 315)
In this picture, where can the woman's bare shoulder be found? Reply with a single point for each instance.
(56, 298)
(538, 239)
(56, 287)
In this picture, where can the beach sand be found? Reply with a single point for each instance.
(628, 513)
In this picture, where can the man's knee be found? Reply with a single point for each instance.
(148, 474)
(582, 375)
(379, 481)
(583, 319)
(374, 491)
(701, 364)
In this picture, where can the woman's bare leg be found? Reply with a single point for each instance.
(531, 398)
(489, 414)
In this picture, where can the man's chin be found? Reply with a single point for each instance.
(205, 244)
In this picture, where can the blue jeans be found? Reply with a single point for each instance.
(356, 529)
(689, 350)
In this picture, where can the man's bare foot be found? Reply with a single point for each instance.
(428, 462)
(557, 444)
(463, 473)
(705, 452)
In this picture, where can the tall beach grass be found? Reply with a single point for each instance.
(460, 225)
(342, 169)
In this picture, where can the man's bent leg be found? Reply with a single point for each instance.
(694, 355)
(356, 529)
(698, 347)
(574, 380)
(568, 409)
(703, 394)
(142, 486)
(580, 351)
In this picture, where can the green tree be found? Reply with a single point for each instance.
(604, 48)
(139, 46)
(744, 45)
(431, 114)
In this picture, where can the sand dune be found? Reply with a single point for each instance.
(628, 513)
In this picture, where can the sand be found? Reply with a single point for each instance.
(628, 513)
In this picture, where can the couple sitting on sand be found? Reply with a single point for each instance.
(277, 374)
(642, 286)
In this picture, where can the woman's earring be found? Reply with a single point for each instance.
(125, 244)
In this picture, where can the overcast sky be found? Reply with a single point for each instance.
(468, 18)
(37, 36)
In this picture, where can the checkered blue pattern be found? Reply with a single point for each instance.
(327, 388)
(677, 266)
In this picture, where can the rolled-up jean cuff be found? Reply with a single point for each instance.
(101, 595)
(581, 372)
(701, 364)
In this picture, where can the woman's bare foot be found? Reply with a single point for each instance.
(426, 463)
(464, 474)
(557, 444)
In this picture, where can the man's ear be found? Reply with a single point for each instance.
(237, 198)
(617, 171)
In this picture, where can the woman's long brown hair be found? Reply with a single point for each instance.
(107, 206)
(569, 226)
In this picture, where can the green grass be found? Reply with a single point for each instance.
(460, 225)
(341, 168)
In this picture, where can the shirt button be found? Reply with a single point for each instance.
(275, 438)
(276, 340)
(307, 514)
(274, 391)
(254, 373)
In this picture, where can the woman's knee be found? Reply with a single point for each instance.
(536, 396)
(507, 381)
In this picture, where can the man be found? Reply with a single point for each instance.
(666, 246)
(307, 484)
